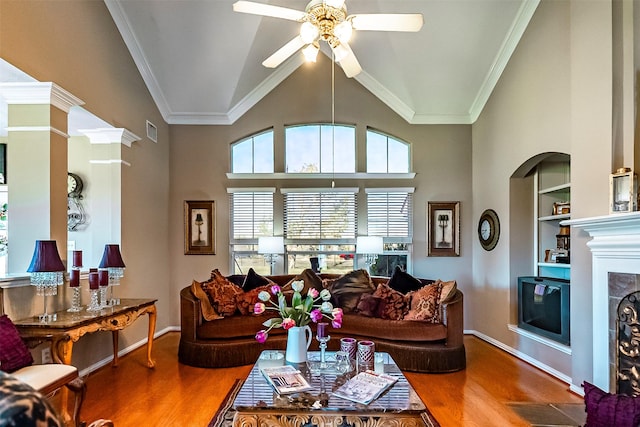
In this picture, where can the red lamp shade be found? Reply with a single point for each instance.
(111, 257)
(45, 258)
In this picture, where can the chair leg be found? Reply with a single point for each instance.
(79, 388)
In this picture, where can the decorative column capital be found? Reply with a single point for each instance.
(39, 93)
(110, 136)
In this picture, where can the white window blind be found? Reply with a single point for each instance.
(390, 213)
(251, 214)
(320, 214)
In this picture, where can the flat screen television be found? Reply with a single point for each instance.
(543, 307)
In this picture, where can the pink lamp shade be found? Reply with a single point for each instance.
(46, 258)
(111, 257)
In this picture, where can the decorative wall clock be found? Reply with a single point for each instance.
(489, 229)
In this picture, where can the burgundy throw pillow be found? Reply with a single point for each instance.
(606, 409)
(14, 353)
(393, 304)
(403, 282)
(369, 306)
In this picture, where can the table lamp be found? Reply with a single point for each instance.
(369, 247)
(112, 261)
(270, 247)
(47, 272)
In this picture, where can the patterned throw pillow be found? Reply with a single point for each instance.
(247, 300)
(393, 304)
(14, 353)
(347, 289)
(21, 405)
(606, 409)
(222, 293)
(425, 303)
(403, 282)
(208, 312)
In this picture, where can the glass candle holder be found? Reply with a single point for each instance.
(74, 284)
(323, 339)
(94, 289)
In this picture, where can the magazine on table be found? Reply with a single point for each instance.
(285, 379)
(365, 387)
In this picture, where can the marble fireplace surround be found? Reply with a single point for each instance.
(615, 248)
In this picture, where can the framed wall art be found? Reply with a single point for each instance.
(443, 225)
(199, 227)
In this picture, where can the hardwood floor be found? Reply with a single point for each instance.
(176, 395)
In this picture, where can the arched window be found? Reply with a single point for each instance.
(320, 149)
(386, 154)
(253, 154)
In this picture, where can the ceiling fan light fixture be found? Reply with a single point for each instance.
(335, 3)
(339, 51)
(343, 31)
(308, 32)
(310, 52)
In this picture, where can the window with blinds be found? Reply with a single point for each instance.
(251, 214)
(320, 214)
(390, 214)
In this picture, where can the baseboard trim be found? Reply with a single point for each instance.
(107, 360)
(526, 358)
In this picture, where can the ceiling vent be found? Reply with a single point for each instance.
(152, 131)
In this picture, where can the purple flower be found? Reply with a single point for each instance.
(316, 315)
(337, 323)
(262, 336)
(259, 308)
(275, 289)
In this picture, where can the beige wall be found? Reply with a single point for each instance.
(76, 45)
(200, 158)
(554, 96)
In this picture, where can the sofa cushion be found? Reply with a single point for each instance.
(222, 293)
(246, 300)
(396, 330)
(606, 409)
(14, 353)
(394, 305)
(425, 303)
(205, 304)
(253, 280)
(236, 327)
(369, 306)
(347, 289)
(403, 282)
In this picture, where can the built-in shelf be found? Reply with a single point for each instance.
(562, 188)
(535, 337)
(554, 265)
(554, 217)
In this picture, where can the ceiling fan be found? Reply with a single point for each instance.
(328, 20)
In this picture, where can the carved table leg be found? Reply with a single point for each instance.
(114, 337)
(152, 328)
(79, 388)
(62, 350)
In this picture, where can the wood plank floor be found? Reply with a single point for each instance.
(176, 395)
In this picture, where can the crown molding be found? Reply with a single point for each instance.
(518, 27)
(27, 93)
(110, 136)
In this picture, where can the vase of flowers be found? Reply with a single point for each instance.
(295, 318)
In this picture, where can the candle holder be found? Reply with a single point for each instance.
(94, 289)
(74, 284)
(323, 339)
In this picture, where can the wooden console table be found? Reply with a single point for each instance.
(69, 327)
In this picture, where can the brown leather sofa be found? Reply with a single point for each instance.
(415, 345)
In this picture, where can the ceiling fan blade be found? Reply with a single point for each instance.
(387, 22)
(350, 63)
(268, 10)
(284, 52)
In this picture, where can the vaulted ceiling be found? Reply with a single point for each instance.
(202, 62)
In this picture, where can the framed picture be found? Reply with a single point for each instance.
(443, 225)
(199, 227)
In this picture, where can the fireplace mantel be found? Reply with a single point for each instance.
(615, 248)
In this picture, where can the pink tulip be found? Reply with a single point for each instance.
(262, 336)
(316, 315)
(259, 308)
(288, 323)
(337, 313)
(337, 323)
(313, 293)
(275, 289)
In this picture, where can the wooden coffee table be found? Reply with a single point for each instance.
(257, 403)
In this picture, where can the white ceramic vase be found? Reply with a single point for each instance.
(298, 342)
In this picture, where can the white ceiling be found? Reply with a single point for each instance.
(202, 62)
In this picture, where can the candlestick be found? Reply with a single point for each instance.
(103, 279)
(74, 278)
(323, 338)
(322, 330)
(94, 282)
(74, 283)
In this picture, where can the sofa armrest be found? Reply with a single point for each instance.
(453, 318)
(190, 314)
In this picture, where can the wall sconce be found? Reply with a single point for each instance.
(369, 247)
(270, 247)
(623, 193)
(112, 261)
(47, 273)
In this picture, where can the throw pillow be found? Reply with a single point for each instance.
(205, 304)
(369, 306)
(310, 279)
(425, 303)
(254, 280)
(247, 300)
(21, 405)
(347, 289)
(222, 293)
(403, 282)
(448, 291)
(606, 409)
(393, 304)
(14, 353)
